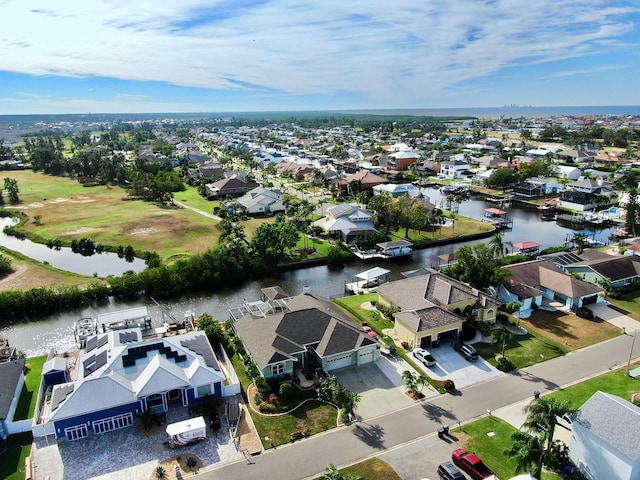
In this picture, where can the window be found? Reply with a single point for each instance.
(277, 369)
(204, 390)
(490, 313)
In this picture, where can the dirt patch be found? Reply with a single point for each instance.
(144, 231)
(169, 466)
(80, 231)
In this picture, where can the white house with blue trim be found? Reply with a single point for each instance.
(119, 376)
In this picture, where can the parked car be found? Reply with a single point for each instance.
(448, 471)
(424, 356)
(467, 351)
(471, 463)
(369, 331)
(565, 421)
(387, 349)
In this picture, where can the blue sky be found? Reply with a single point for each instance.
(80, 56)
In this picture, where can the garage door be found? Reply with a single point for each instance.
(113, 423)
(425, 342)
(590, 300)
(340, 361)
(74, 433)
(365, 357)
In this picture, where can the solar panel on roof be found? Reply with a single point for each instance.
(201, 346)
(102, 341)
(60, 395)
(101, 360)
(92, 342)
(89, 360)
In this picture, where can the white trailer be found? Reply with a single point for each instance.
(192, 430)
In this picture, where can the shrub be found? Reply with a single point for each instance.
(338, 256)
(405, 345)
(191, 462)
(344, 415)
(449, 385)
(160, 472)
(257, 398)
(286, 391)
(261, 384)
(484, 328)
(501, 317)
(269, 408)
(585, 313)
(505, 365)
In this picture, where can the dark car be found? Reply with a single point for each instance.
(467, 351)
(448, 471)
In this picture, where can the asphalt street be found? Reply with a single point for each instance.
(347, 445)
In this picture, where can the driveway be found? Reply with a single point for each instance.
(614, 317)
(451, 365)
(380, 385)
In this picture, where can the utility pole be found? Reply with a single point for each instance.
(635, 334)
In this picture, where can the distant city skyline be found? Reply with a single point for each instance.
(112, 56)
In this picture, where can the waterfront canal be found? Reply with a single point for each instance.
(38, 337)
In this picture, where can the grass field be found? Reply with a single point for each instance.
(27, 403)
(616, 382)
(474, 437)
(12, 460)
(107, 215)
(372, 469)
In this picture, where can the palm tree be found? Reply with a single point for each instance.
(528, 451)
(410, 381)
(541, 416)
(502, 335)
(453, 217)
(497, 245)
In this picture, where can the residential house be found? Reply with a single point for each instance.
(11, 382)
(567, 172)
(621, 271)
(397, 189)
(210, 170)
(402, 160)
(537, 187)
(348, 222)
(233, 186)
(260, 201)
(118, 376)
(365, 180)
(431, 307)
(454, 167)
(534, 282)
(304, 332)
(604, 438)
(586, 194)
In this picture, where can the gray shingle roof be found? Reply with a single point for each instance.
(9, 376)
(428, 318)
(615, 268)
(309, 321)
(614, 420)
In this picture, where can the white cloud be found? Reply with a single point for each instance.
(389, 52)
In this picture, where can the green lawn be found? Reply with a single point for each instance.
(12, 460)
(474, 437)
(523, 350)
(313, 416)
(353, 304)
(616, 382)
(629, 303)
(372, 469)
(27, 403)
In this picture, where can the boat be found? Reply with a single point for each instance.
(84, 328)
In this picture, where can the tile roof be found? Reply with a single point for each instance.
(545, 273)
(428, 318)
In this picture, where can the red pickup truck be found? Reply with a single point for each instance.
(471, 463)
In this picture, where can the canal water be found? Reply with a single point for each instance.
(55, 332)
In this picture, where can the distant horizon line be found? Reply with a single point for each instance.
(415, 111)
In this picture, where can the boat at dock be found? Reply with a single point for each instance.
(84, 328)
(129, 318)
(385, 250)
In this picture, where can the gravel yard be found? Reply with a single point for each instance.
(134, 453)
